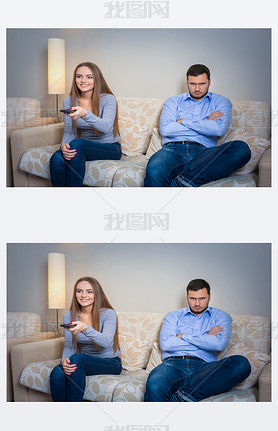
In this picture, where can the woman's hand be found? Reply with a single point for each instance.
(79, 327)
(79, 112)
(68, 368)
(67, 152)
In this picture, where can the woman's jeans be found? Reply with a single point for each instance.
(72, 387)
(194, 380)
(192, 165)
(71, 173)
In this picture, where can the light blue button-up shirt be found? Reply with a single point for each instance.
(195, 340)
(195, 125)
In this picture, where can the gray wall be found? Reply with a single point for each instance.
(145, 277)
(145, 62)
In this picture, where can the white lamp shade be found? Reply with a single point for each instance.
(56, 66)
(56, 281)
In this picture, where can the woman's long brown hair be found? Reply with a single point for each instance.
(100, 302)
(100, 87)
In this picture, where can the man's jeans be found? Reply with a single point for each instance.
(191, 165)
(195, 380)
(70, 173)
(71, 388)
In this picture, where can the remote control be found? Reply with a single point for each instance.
(67, 111)
(67, 325)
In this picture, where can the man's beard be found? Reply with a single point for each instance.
(201, 311)
(200, 97)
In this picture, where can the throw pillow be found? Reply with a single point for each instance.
(134, 352)
(257, 146)
(134, 137)
(155, 358)
(257, 360)
(155, 143)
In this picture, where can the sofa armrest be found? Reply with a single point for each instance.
(11, 342)
(264, 169)
(24, 354)
(22, 140)
(264, 383)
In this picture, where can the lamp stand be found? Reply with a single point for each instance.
(57, 105)
(57, 319)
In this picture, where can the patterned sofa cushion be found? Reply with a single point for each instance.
(257, 146)
(98, 388)
(22, 325)
(126, 172)
(134, 137)
(22, 110)
(134, 352)
(258, 361)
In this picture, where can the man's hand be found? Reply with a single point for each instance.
(179, 120)
(179, 335)
(215, 330)
(215, 115)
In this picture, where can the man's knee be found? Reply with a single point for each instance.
(157, 170)
(154, 386)
(241, 366)
(241, 150)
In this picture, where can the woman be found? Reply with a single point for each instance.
(91, 343)
(91, 130)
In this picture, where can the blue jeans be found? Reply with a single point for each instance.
(195, 380)
(72, 388)
(71, 173)
(180, 165)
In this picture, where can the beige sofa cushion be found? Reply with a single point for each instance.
(155, 143)
(257, 147)
(23, 325)
(155, 358)
(134, 137)
(134, 352)
(22, 110)
(258, 361)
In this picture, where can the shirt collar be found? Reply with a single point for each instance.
(188, 311)
(188, 96)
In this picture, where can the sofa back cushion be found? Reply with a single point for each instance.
(22, 325)
(251, 115)
(252, 331)
(141, 325)
(21, 110)
(143, 113)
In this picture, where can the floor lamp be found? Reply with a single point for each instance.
(56, 68)
(56, 282)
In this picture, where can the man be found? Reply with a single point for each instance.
(190, 340)
(190, 125)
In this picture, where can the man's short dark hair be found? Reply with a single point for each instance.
(198, 284)
(198, 69)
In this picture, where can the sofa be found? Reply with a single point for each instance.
(140, 138)
(22, 113)
(139, 343)
(22, 328)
